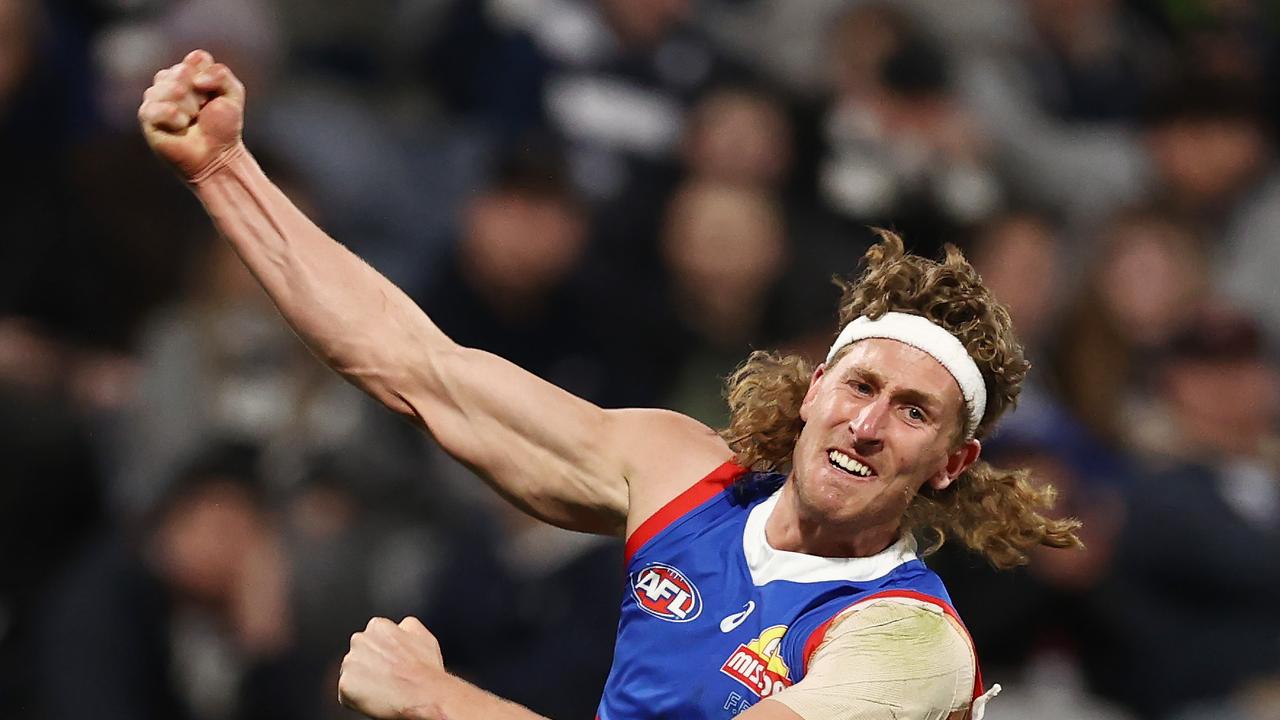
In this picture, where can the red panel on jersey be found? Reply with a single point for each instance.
(700, 492)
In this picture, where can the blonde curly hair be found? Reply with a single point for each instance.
(997, 513)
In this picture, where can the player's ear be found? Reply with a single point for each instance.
(812, 392)
(958, 461)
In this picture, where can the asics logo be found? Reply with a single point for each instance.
(734, 620)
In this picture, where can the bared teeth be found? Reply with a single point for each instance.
(848, 464)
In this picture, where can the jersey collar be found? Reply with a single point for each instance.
(768, 564)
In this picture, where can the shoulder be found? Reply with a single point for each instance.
(664, 454)
(905, 652)
(899, 624)
(898, 654)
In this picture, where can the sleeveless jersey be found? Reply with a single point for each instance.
(714, 619)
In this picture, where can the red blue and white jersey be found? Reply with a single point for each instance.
(714, 619)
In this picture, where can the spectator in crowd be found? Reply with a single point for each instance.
(1096, 60)
(725, 247)
(735, 134)
(740, 135)
(1148, 273)
(209, 565)
(1027, 623)
(1218, 156)
(1191, 630)
(519, 605)
(44, 104)
(517, 283)
(1029, 619)
(365, 533)
(1021, 258)
(66, 264)
(218, 363)
(612, 78)
(17, 27)
(50, 488)
(1033, 88)
(1209, 146)
(1032, 625)
(1231, 41)
(860, 41)
(1249, 255)
(898, 146)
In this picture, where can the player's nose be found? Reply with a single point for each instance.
(867, 425)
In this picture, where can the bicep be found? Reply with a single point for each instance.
(560, 458)
(543, 448)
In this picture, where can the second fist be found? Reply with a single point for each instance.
(392, 670)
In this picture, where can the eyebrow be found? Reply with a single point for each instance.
(926, 401)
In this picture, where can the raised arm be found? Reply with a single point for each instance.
(555, 455)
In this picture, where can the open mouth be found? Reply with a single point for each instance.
(841, 461)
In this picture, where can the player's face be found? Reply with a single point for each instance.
(879, 424)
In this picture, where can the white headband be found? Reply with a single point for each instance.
(924, 335)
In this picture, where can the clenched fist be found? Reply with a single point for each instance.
(393, 671)
(193, 113)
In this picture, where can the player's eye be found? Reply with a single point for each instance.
(863, 388)
(915, 414)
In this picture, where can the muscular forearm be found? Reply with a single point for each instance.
(352, 317)
(552, 452)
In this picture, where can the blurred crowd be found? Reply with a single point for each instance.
(625, 197)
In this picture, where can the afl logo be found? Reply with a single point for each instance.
(665, 593)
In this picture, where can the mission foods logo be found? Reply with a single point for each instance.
(664, 592)
(759, 664)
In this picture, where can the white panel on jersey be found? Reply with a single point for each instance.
(768, 564)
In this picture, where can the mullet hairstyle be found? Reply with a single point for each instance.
(997, 513)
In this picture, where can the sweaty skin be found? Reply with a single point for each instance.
(554, 455)
(895, 409)
(560, 458)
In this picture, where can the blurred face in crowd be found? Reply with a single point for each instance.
(1225, 406)
(1100, 510)
(645, 22)
(520, 245)
(1206, 163)
(739, 137)
(725, 246)
(1018, 260)
(860, 42)
(16, 30)
(895, 411)
(200, 541)
(1150, 276)
(1067, 23)
(909, 105)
